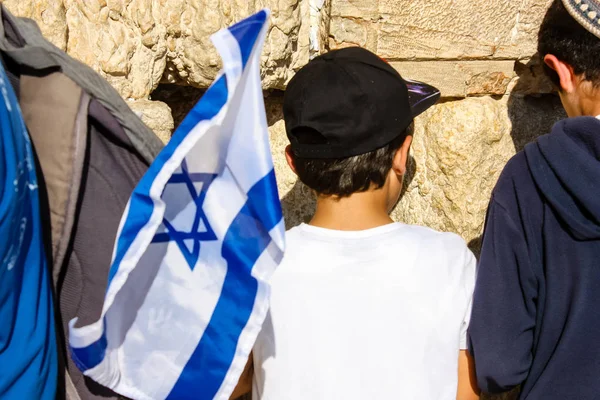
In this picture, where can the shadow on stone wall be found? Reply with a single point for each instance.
(298, 205)
(180, 99)
(531, 114)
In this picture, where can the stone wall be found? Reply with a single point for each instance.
(480, 54)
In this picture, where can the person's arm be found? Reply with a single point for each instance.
(504, 310)
(244, 385)
(467, 382)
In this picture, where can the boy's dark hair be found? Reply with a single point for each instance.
(562, 36)
(345, 176)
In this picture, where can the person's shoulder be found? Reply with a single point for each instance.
(444, 256)
(514, 169)
(292, 236)
(433, 235)
(515, 181)
(297, 240)
(443, 243)
(293, 232)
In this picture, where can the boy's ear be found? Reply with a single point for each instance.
(290, 158)
(401, 157)
(566, 75)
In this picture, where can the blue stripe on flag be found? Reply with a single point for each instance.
(247, 32)
(141, 205)
(245, 240)
(90, 356)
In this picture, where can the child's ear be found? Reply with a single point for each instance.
(563, 70)
(290, 158)
(401, 157)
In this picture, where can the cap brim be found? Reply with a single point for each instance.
(421, 96)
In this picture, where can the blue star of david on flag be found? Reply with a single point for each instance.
(189, 243)
(186, 300)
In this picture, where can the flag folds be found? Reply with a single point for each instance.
(202, 232)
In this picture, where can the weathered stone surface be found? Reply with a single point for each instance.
(459, 149)
(108, 36)
(319, 25)
(461, 78)
(49, 14)
(432, 29)
(467, 49)
(460, 29)
(531, 80)
(157, 115)
(352, 32)
(532, 116)
(192, 58)
(136, 44)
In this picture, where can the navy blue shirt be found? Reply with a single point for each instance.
(536, 308)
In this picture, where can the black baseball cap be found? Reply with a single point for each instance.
(349, 102)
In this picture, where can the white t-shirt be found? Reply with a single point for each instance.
(374, 314)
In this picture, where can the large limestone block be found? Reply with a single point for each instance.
(192, 58)
(136, 44)
(455, 29)
(49, 14)
(121, 41)
(439, 29)
(156, 115)
(367, 10)
(349, 30)
(461, 78)
(459, 149)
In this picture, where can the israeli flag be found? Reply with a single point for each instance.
(202, 233)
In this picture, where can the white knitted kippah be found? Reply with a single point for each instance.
(586, 12)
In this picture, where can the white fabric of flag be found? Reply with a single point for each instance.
(202, 233)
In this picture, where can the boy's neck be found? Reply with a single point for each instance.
(358, 212)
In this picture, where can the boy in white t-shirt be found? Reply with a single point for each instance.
(361, 307)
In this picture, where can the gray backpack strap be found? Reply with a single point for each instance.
(51, 107)
(55, 112)
(13, 44)
(71, 392)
